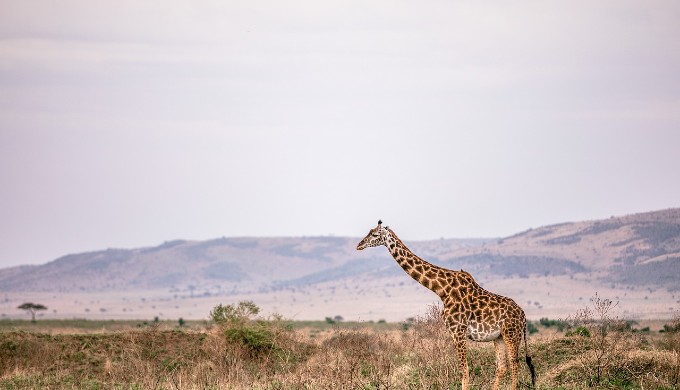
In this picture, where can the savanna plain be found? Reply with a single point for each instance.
(601, 297)
(241, 348)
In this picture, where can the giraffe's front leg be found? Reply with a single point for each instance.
(458, 332)
(461, 348)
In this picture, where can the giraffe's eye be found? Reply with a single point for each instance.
(376, 234)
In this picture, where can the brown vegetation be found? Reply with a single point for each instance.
(245, 352)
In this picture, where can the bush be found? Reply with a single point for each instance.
(266, 340)
(606, 341)
(230, 314)
(257, 337)
(433, 363)
(671, 337)
(626, 370)
(579, 331)
(239, 327)
(360, 359)
(672, 327)
(531, 327)
(559, 324)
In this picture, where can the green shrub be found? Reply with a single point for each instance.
(239, 326)
(559, 324)
(579, 331)
(244, 311)
(531, 327)
(257, 336)
(671, 328)
(671, 338)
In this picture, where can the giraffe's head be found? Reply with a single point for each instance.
(375, 237)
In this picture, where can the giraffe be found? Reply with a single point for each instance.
(469, 310)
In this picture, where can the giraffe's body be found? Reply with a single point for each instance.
(469, 310)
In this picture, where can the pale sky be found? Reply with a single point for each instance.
(128, 123)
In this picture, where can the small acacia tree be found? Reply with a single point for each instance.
(32, 308)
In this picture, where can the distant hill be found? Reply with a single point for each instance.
(641, 249)
(227, 264)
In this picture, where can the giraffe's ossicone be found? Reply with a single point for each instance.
(470, 311)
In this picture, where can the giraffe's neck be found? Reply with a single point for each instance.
(419, 269)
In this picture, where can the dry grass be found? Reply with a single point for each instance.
(420, 357)
(628, 369)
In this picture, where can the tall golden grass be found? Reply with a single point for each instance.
(228, 355)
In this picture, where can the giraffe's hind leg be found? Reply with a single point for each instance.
(512, 347)
(501, 365)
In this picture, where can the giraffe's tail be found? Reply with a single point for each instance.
(527, 358)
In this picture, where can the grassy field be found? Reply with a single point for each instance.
(239, 350)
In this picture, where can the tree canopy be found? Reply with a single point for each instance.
(32, 308)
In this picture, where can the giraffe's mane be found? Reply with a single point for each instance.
(396, 238)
